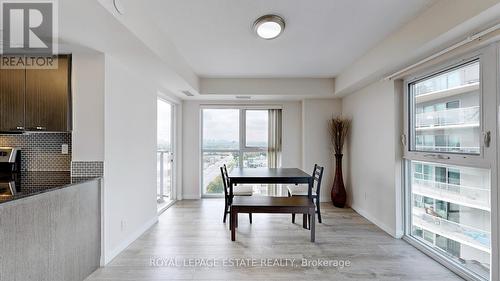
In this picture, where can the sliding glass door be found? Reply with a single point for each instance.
(165, 154)
(236, 137)
(451, 163)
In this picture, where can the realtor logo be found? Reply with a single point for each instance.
(28, 28)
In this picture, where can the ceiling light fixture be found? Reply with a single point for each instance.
(119, 7)
(269, 26)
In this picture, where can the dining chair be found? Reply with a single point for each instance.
(302, 190)
(237, 191)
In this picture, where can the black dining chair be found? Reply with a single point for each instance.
(237, 191)
(302, 190)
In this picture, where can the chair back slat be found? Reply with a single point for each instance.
(317, 177)
(225, 179)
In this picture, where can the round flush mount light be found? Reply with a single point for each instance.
(269, 26)
(119, 7)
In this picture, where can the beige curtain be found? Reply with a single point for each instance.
(274, 147)
(274, 139)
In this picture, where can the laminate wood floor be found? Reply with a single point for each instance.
(193, 229)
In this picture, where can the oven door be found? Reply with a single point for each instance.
(7, 189)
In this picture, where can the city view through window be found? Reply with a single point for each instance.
(224, 141)
(447, 115)
(451, 212)
(450, 204)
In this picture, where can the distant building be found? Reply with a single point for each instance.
(451, 205)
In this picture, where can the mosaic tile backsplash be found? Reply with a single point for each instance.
(41, 151)
(87, 169)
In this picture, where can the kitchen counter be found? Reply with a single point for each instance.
(26, 184)
(51, 228)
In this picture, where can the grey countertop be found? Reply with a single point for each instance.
(30, 183)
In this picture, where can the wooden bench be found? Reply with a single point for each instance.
(273, 205)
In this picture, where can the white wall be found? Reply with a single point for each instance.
(88, 106)
(292, 140)
(130, 157)
(114, 120)
(424, 35)
(268, 87)
(373, 174)
(316, 144)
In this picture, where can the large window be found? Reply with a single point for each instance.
(448, 187)
(453, 212)
(237, 137)
(446, 111)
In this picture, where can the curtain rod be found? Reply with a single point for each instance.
(469, 39)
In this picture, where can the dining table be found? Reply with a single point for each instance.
(270, 176)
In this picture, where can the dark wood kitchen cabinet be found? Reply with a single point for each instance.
(12, 99)
(48, 98)
(36, 99)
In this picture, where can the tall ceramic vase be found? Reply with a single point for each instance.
(338, 193)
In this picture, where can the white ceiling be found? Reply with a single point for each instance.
(321, 38)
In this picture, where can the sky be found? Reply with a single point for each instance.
(222, 125)
(257, 126)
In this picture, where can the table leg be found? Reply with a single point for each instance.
(313, 227)
(233, 225)
(230, 192)
(307, 217)
(230, 219)
(304, 221)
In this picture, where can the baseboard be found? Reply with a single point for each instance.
(375, 221)
(110, 255)
(191, 196)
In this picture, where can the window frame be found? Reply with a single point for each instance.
(410, 115)
(489, 95)
(243, 148)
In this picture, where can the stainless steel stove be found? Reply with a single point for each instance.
(10, 167)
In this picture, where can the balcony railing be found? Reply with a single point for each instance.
(459, 149)
(473, 237)
(164, 172)
(449, 117)
(475, 197)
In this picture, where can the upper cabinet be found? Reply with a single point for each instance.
(36, 99)
(12, 99)
(48, 98)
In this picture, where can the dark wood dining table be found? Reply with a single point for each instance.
(270, 176)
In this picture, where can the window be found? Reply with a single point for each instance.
(448, 188)
(454, 176)
(440, 174)
(237, 137)
(221, 129)
(256, 128)
(453, 104)
(458, 212)
(427, 172)
(447, 104)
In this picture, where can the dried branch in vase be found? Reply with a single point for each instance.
(339, 128)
